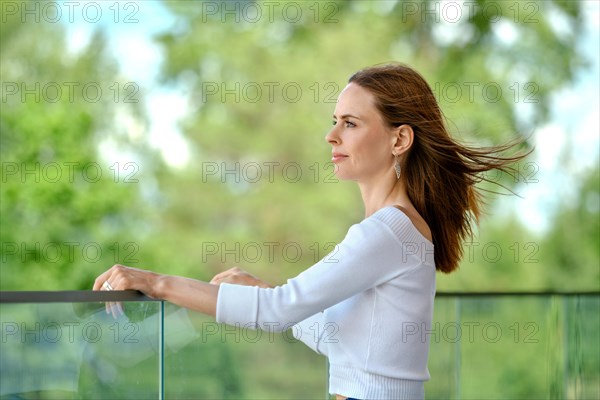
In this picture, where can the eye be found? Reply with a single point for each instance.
(333, 122)
(349, 124)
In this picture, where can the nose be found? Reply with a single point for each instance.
(332, 136)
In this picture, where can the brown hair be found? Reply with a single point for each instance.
(439, 173)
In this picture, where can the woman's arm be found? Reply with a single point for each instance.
(375, 251)
(185, 292)
(310, 331)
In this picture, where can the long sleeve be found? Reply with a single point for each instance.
(370, 254)
(367, 306)
(315, 332)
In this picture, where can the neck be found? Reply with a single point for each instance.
(379, 193)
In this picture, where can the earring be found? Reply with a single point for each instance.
(397, 167)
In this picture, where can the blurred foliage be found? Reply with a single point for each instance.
(60, 205)
(573, 243)
(259, 191)
(486, 72)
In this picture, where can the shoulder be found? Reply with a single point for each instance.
(388, 234)
(417, 220)
(401, 225)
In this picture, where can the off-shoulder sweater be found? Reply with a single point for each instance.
(367, 306)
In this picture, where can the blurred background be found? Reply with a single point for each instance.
(188, 137)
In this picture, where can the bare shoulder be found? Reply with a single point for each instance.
(418, 221)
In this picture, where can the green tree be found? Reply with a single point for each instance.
(259, 190)
(262, 89)
(572, 246)
(67, 213)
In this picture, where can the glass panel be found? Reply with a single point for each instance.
(482, 347)
(77, 350)
(582, 347)
(206, 360)
(515, 347)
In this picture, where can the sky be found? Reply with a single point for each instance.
(575, 123)
(575, 110)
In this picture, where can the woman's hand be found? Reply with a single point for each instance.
(120, 277)
(184, 292)
(238, 276)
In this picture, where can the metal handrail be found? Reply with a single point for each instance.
(85, 296)
(72, 296)
(518, 293)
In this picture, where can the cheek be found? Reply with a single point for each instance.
(370, 159)
(375, 148)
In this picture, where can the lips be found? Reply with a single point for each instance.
(337, 157)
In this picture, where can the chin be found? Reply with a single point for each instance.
(343, 173)
(339, 174)
(345, 177)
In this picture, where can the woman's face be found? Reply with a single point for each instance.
(361, 142)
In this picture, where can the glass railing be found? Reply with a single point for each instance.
(61, 345)
(65, 345)
(515, 346)
(216, 361)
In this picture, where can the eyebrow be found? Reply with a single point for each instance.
(346, 116)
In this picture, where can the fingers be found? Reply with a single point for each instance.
(116, 277)
(232, 275)
(108, 276)
(115, 280)
(120, 277)
(225, 275)
(111, 280)
(218, 279)
(114, 308)
(238, 276)
(101, 279)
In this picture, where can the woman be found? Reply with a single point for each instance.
(368, 305)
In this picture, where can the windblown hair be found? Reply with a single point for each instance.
(439, 173)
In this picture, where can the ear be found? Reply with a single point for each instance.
(402, 139)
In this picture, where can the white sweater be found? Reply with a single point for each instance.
(367, 306)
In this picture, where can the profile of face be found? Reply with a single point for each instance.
(362, 143)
